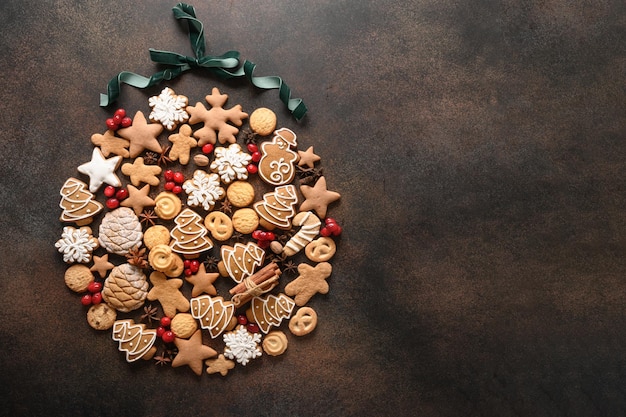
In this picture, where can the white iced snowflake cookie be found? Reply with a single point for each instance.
(76, 245)
(241, 345)
(203, 190)
(168, 108)
(230, 163)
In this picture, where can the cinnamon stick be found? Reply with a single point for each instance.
(258, 277)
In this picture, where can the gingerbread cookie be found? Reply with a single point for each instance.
(111, 144)
(78, 203)
(278, 207)
(168, 108)
(138, 199)
(168, 293)
(140, 173)
(220, 365)
(277, 164)
(136, 340)
(76, 245)
(142, 135)
(216, 120)
(312, 280)
(182, 143)
(318, 197)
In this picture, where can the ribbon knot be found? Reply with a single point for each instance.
(224, 66)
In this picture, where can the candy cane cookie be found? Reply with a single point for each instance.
(310, 227)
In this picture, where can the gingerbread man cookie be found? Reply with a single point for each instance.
(312, 280)
(166, 291)
(182, 142)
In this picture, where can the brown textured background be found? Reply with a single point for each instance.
(479, 147)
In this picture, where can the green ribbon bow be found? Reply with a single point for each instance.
(224, 66)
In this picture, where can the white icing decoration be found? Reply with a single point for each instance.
(101, 170)
(241, 345)
(76, 245)
(168, 108)
(230, 163)
(203, 189)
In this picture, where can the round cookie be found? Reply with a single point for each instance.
(101, 316)
(245, 220)
(183, 325)
(263, 121)
(167, 205)
(303, 322)
(156, 235)
(240, 193)
(78, 277)
(275, 343)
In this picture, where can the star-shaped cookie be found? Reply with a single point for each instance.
(142, 135)
(139, 172)
(220, 364)
(202, 282)
(101, 170)
(111, 144)
(101, 265)
(192, 352)
(318, 197)
(138, 199)
(308, 158)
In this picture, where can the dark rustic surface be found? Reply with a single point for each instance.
(479, 147)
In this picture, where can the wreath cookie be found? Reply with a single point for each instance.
(209, 234)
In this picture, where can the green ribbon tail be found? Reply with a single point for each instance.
(295, 105)
(135, 80)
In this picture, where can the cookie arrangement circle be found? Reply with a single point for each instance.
(197, 234)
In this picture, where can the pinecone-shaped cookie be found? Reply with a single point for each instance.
(120, 231)
(126, 288)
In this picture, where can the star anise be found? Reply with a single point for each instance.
(164, 159)
(151, 158)
(226, 207)
(162, 359)
(250, 137)
(148, 217)
(309, 176)
(290, 267)
(150, 313)
(283, 238)
(210, 263)
(137, 257)
(278, 258)
(237, 237)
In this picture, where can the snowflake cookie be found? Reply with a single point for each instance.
(76, 245)
(241, 345)
(203, 189)
(168, 109)
(230, 163)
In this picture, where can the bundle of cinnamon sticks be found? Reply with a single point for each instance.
(256, 284)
